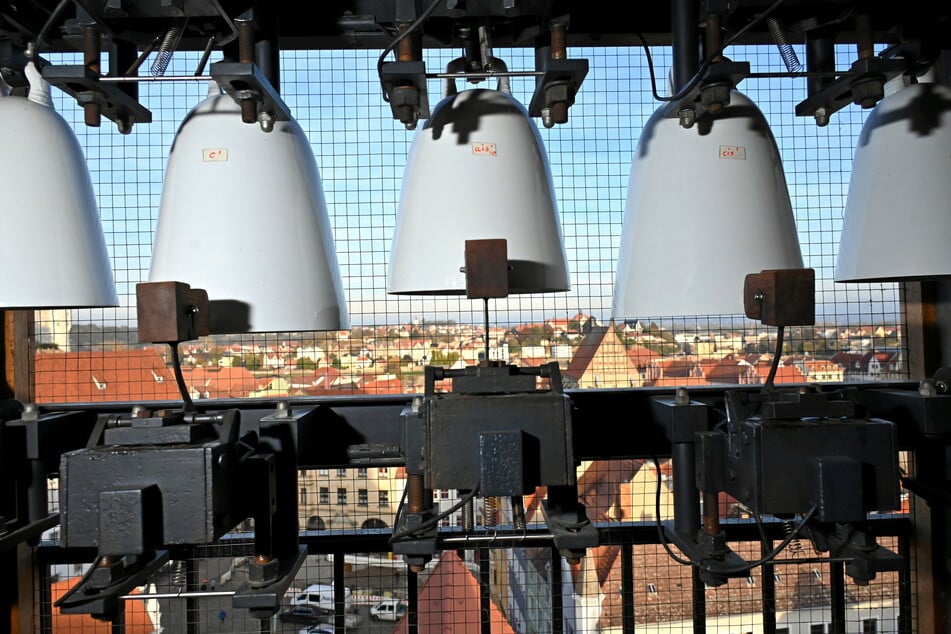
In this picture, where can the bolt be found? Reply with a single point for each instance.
(266, 121)
(547, 119)
(688, 116)
(30, 412)
(139, 411)
(821, 116)
(927, 388)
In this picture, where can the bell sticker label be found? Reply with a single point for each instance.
(214, 155)
(484, 149)
(733, 152)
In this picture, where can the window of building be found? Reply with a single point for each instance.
(341, 496)
(869, 626)
(817, 629)
(363, 498)
(303, 495)
(384, 498)
(341, 473)
(362, 472)
(323, 495)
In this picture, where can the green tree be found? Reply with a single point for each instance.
(443, 359)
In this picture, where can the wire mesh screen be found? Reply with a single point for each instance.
(632, 580)
(361, 152)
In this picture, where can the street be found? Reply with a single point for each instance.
(214, 612)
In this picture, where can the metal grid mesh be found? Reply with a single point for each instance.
(361, 151)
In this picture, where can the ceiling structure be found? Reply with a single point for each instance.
(372, 24)
(252, 33)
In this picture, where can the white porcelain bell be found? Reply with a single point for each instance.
(243, 217)
(477, 169)
(897, 217)
(55, 252)
(705, 207)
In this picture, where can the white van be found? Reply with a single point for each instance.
(388, 610)
(320, 596)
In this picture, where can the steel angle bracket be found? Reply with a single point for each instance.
(558, 83)
(98, 592)
(265, 601)
(85, 86)
(405, 87)
(243, 81)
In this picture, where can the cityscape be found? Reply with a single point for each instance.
(92, 363)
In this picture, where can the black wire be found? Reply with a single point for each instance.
(775, 362)
(435, 519)
(693, 81)
(38, 42)
(180, 379)
(399, 38)
(794, 534)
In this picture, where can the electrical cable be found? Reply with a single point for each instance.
(693, 81)
(435, 519)
(180, 379)
(399, 38)
(38, 42)
(729, 571)
(774, 365)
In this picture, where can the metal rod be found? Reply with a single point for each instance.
(197, 594)
(497, 539)
(204, 57)
(132, 79)
(807, 74)
(486, 75)
(685, 15)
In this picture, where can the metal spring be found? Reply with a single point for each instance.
(468, 523)
(789, 56)
(795, 546)
(179, 573)
(165, 51)
(490, 511)
(518, 513)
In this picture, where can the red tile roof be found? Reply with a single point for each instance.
(220, 382)
(115, 375)
(449, 601)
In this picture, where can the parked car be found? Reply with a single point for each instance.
(351, 617)
(323, 628)
(307, 614)
(388, 610)
(320, 596)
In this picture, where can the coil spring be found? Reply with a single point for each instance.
(518, 513)
(165, 51)
(790, 59)
(490, 511)
(179, 574)
(795, 546)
